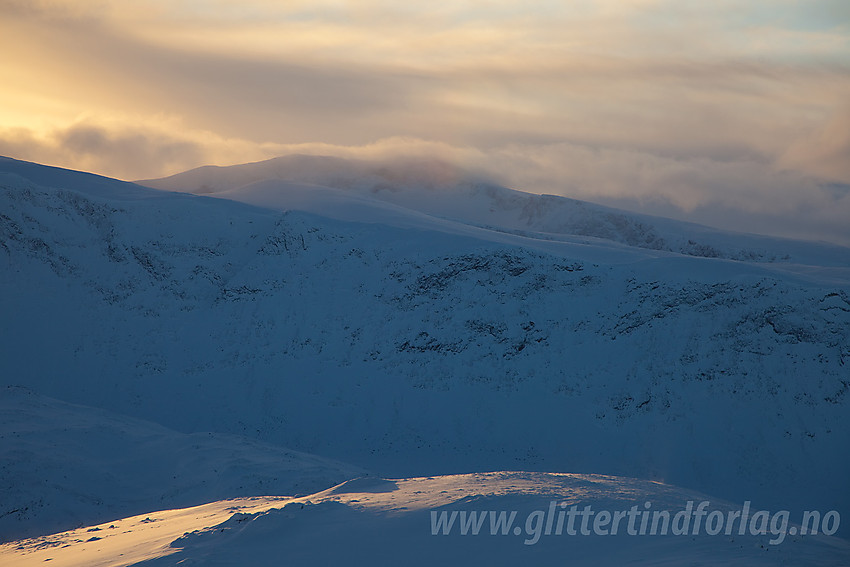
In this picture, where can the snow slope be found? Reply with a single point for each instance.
(66, 465)
(410, 342)
(372, 521)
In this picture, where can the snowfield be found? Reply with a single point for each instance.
(66, 466)
(162, 350)
(368, 521)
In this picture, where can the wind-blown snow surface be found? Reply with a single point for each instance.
(372, 521)
(414, 345)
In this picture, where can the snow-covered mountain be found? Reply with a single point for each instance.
(432, 324)
(359, 189)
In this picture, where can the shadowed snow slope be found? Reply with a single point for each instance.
(66, 465)
(411, 342)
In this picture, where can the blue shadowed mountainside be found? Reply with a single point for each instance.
(412, 322)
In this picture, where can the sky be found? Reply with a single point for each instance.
(730, 113)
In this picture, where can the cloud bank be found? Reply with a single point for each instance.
(731, 115)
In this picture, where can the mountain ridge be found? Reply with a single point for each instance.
(440, 189)
(418, 350)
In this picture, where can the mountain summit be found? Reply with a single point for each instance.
(417, 328)
(359, 189)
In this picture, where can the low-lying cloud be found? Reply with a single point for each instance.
(119, 153)
(727, 114)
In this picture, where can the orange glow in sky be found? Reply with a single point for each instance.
(733, 105)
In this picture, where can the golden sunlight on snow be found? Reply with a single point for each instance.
(128, 541)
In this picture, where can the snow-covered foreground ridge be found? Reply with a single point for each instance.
(410, 341)
(543, 518)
